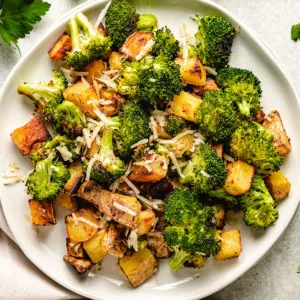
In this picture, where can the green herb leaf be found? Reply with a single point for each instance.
(18, 17)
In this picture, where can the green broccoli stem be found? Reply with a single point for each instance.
(74, 30)
(178, 259)
(43, 170)
(106, 155)
(244, 108)
(86, 25)
(114, 123)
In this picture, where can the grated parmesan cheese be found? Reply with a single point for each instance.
(131, 185)
(141, 142)
(173, 140)
(204, 173)
(124, 208)
(228, 158)
(153, 127)
(210, 70)
(176, 164)
(133, 240)
(13, 175)
(85, 82)
(75, 219)
(65, 153)
(84, 220)
(107, 81)
(90, 165)
(102, 14)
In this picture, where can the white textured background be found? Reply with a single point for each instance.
(275, 276)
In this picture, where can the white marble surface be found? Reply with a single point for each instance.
(275, 276)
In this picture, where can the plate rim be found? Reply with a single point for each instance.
(262, 45)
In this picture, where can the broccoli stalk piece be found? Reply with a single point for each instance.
(214, 40)
(175, 125)
(252, 143)
(259, 206)
(46, 95)
(217, 116)
(165, 44)
(206, 171)
(295, 32)
(69, 119)
(107, 167)
(178, 259)
(121, 21)
(147, 22)
(231, 202)
(47, 179)
(88, 43)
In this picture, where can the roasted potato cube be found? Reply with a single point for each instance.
(260, 116)
(93, 150)
(281, 141)
(115, 60)
(231, 245)
(134, 45)
(152, 168)
(82, 225)
(95, 69)
(210, 85)
(121, 208)
(80, 265)
(218, 149)
(192, 71)
(185, 105)
(157, 244)
(116, 100)
(145, 221)
(61, 46)
(139, 267)
(42, 213)
(220, 216)
(239, 178)
(26, 136)
(278, 185)
(95, 248)
(102, 30)
(74, 249)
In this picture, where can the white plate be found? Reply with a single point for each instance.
(47, 250)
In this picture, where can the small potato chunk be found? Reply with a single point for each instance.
(145, 221)
(95, 69)
(115, 60)
(186, 106)
(94, 247)
(220, 216)
(121, 208)
(239, 178)
(60, 48)
(74, 249)
(192, 71)
(42, 213)
(93, 150)
(155, 170)
(115, 98)
(26, 136)
(157, 244)
(218, 149)
(139, 267)
(231, 245)
(260, 117)
(134, 45)
(278, 185)
(82, 225)
(210, 85)
(80, 265)
(281, 141)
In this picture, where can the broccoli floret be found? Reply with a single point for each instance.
(121, 21)
(69, 119)
(217, 116)
(230, 76)
(252, 143)
(195, 261)
(147, 22)
(59, 146)
(259, 206)
(46, 95)
(47, 179)
(88, 43)
(231, 202)
(134, 126)
(178, 259)
(165, 44)
(214, 40)
(295, 32)
(206, 171)
(175, 125)
(107, 167)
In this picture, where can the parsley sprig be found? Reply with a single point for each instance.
(17, 18)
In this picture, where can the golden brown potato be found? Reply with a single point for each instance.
(26, 136)
(82, 225)
(145, 221)
(74, 249)
(102, 30)
(185, 105)
(239, 178)
(60, 48)
(157, 244)
(115, 98)
(134, 44)
(121, 208)
(278, 185)
(192, 71)
(231, 245)
(138, 267)
(67, 197)
(260, 117)
(210, 85)
(80, 265)
(42, 213)
(157, 169)
(95, 69)
(218, 149)
(115, 60)
(281, 141)
(94, 247)
(220, 216)
(93, 150)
